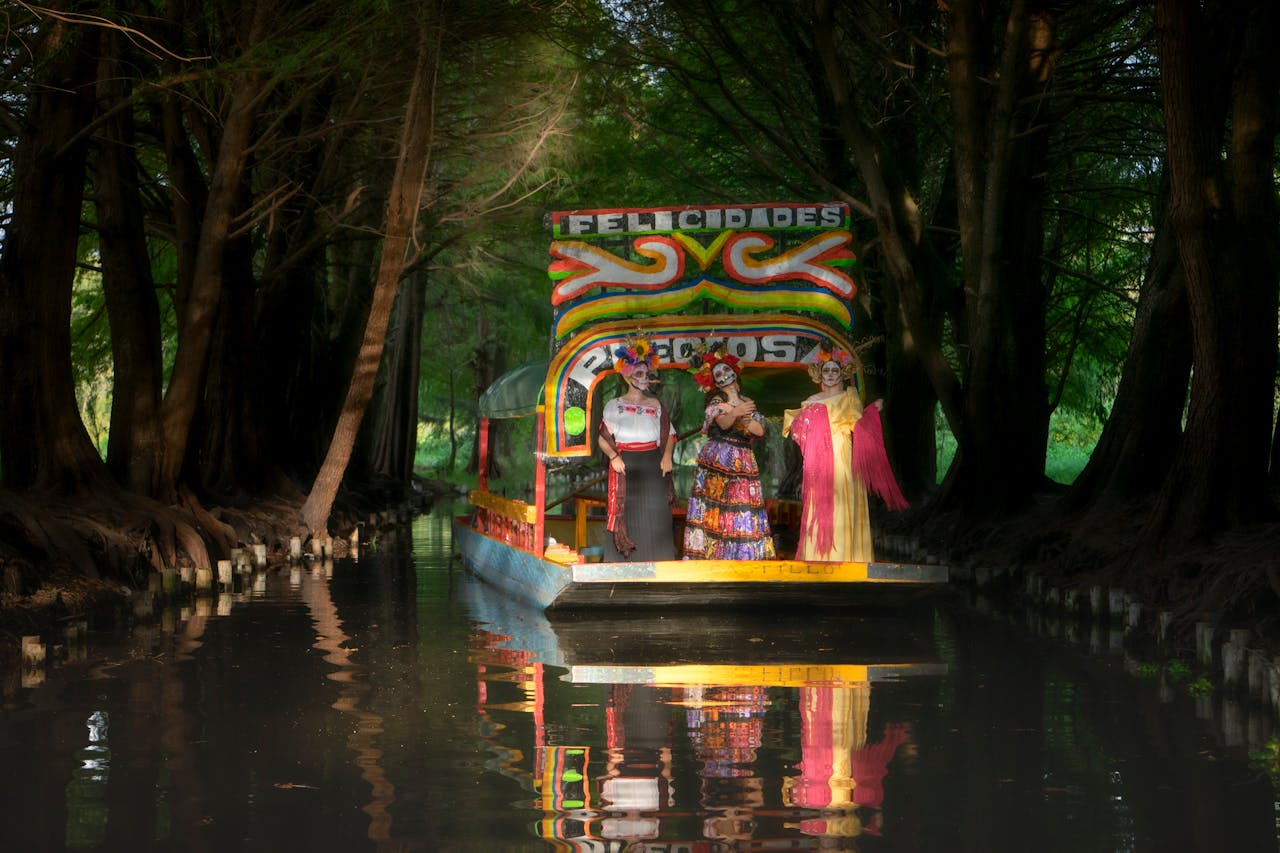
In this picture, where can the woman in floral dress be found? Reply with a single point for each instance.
(726, 518)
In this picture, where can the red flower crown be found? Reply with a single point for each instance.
(704, 361)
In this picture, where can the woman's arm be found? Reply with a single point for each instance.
(668, 448)
(610, 453)
(729, 415)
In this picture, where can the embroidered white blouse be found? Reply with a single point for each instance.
(633, 423)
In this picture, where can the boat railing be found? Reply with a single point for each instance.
(513, 521)
(506, 519)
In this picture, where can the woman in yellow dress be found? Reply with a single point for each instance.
(843, 450)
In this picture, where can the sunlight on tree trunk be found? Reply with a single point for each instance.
(402, 214)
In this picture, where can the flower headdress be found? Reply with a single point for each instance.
(636, 350)
(828, 352)
(705, 359)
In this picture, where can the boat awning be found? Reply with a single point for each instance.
(516, 393)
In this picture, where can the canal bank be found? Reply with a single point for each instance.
(1237, 654)
(1200, 621)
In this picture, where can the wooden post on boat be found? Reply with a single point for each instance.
(540, 482)
(482, 481)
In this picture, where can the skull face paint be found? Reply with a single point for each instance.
(723, 375)
(640, 377)
(831, 374)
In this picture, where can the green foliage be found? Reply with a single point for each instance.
(1202, 686)
(512, 444)
(548, 105)
(1267, 759)
(434, 449)
(1177, 671)
(1072, 437)
(91, 366)
(486, 313)
(946, 443)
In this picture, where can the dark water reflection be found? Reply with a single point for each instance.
(395, 704)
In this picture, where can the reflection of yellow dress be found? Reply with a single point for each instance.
(851, 520)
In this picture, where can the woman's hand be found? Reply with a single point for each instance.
(617, 464)
(742, 409)
(665, 465)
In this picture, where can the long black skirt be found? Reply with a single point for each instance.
(647, 513)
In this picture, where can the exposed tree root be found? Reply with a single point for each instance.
(61, 556)
(1232, 580)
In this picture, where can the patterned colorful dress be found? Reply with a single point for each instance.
(726, 518)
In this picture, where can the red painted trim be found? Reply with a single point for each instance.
(483, 481)
(540, 487)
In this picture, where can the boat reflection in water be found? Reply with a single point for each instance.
(690, 731)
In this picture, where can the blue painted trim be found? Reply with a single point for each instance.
(531, 579)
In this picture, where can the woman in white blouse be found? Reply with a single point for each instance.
(637, 438)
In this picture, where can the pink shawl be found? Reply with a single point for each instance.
(871, 463)
(812, 431)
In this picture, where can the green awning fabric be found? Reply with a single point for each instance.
(516, 393)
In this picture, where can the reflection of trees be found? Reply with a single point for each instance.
(353, 688)
(111, 750)
(179, 728)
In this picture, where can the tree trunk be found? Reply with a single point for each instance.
(393, 434)
(486, 370)
(292, 353)
(1274, 477)
(43, 442)
(453, 422)
(134, 312)
(999, 178)
(919, 375)
(1141, 436)
(403, 201)
(292, 345)
(196, 322)
(231, 462)
(1224, 218)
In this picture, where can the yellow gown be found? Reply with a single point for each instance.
(851, 519)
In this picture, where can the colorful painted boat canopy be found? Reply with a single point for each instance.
(779, 275)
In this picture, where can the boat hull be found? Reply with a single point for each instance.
(691, 583)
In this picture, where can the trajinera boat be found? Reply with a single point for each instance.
(777, 280)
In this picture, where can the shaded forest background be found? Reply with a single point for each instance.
(256, 251)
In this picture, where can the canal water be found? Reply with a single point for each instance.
(396, 704)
